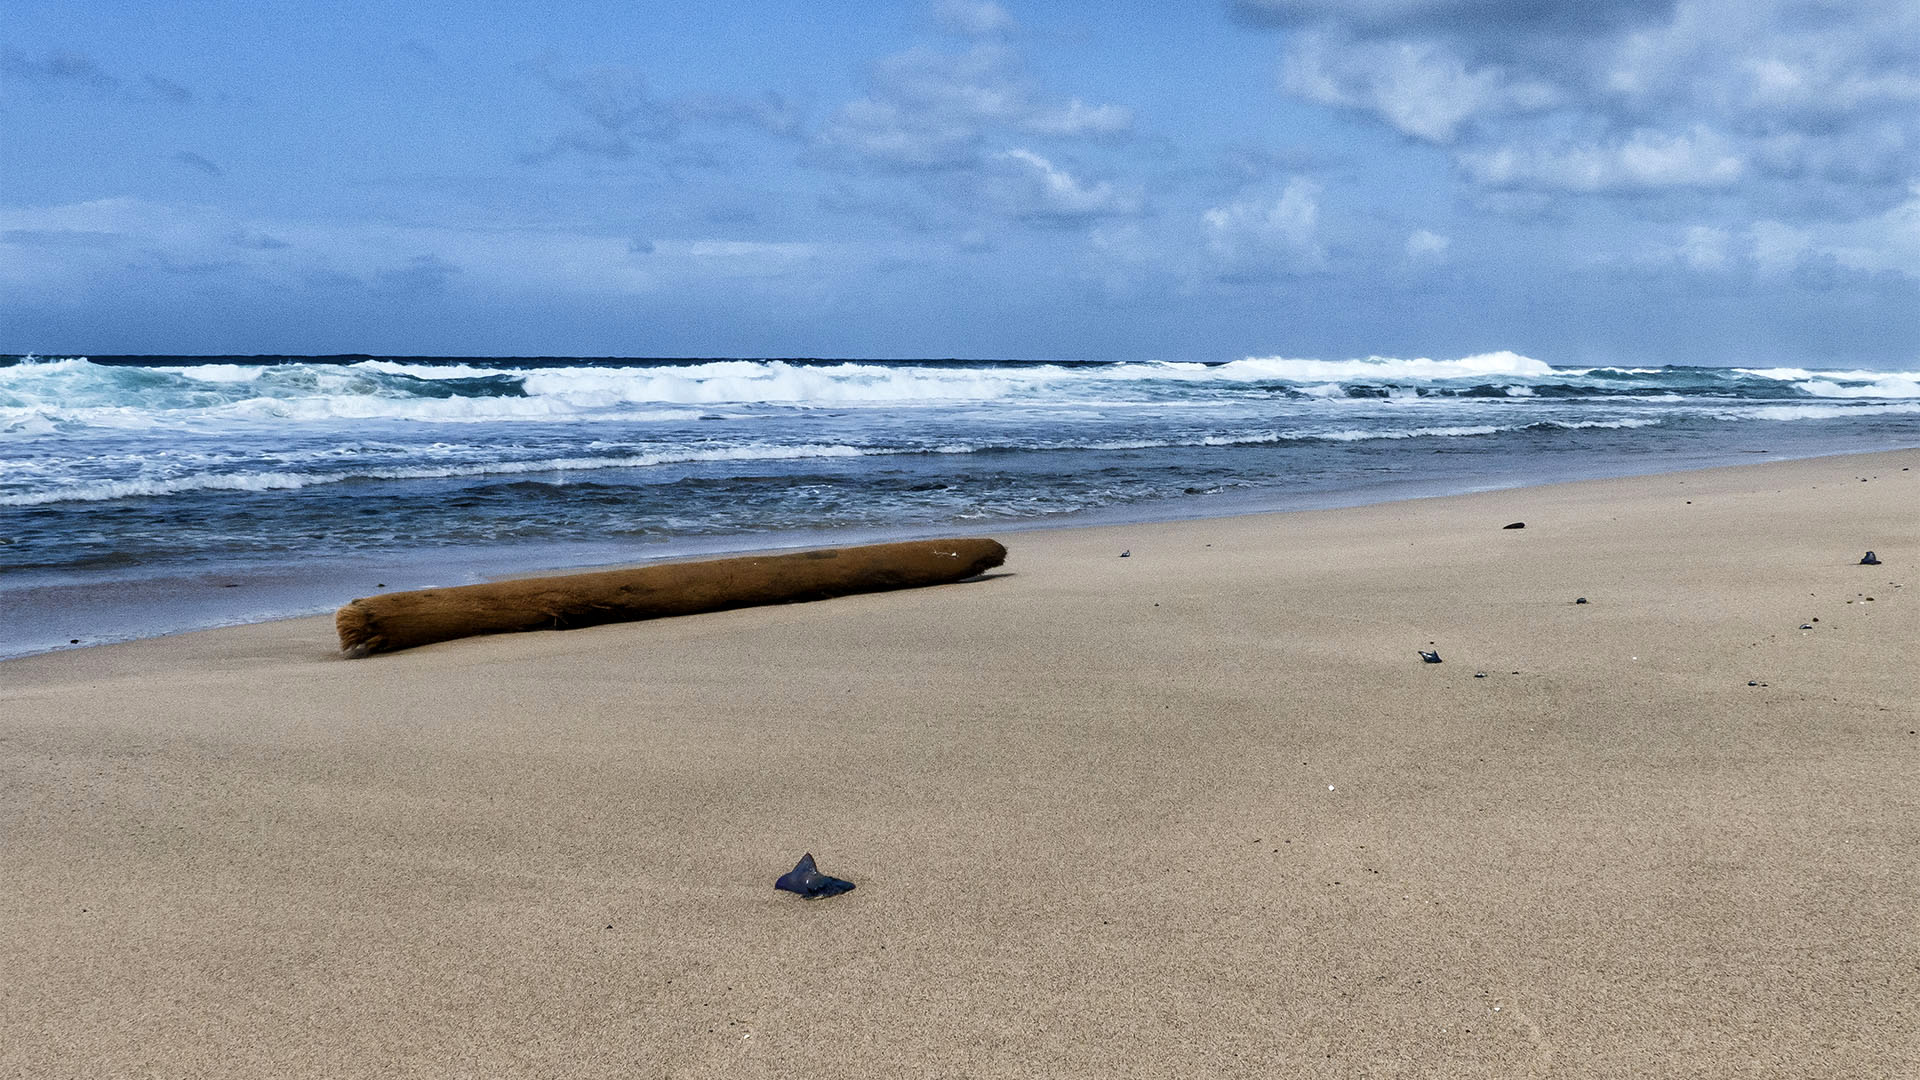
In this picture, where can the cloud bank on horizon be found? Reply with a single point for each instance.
(1622, 181)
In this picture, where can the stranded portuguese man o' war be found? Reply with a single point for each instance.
(806, 879)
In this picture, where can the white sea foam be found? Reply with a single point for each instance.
(74, 392)
(1363, 434)
(1794, 374)
(1384, 368)
(175, 471)
(104, 490)
(777, 382)
(1815, 412)
(27, 423)
(1578, 425)
(432, 372)
(216, 373)
(379, 389)
(1890, 386)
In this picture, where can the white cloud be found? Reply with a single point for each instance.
(1419, 87)
(1262, 235)
(1705, 247)
(1645, 161)
(888, 134)
(1777, 247)
(66, 249)
(1077, 118)
(929, 109)
(972, 18)
(1887, 243)
(1487, 16)
(1803, 108)
(1898, 232)
(1425, 246)
(1032, 188)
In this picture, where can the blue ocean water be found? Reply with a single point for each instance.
(140, 495)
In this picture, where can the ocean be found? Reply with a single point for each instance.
(145, 495)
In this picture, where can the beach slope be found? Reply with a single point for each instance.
(1198, 811)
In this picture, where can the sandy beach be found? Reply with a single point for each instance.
(1200, 811)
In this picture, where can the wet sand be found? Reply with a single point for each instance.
(1201, 811)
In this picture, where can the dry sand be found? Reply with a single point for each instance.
(1200, 811)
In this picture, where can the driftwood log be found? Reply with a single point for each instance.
(402, 620)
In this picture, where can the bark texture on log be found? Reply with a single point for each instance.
(374, 624)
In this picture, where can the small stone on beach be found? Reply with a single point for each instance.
(1515, 525)
(1580, 600)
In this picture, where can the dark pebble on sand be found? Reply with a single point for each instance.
(1515, 525)
(1580, 600)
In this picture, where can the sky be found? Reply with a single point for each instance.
(1604, 181)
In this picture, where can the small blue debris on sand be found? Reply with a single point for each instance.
(806, 879)
(1430, 657)
(1127, 554)
(1870, 559)
(1580, 600)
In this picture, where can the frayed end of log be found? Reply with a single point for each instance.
(358, 638)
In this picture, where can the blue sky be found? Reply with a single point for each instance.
(1616, 181)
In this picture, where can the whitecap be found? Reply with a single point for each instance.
(105, 490)
(1386, 368)
(1889, 386)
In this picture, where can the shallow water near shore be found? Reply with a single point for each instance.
(145, 495)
